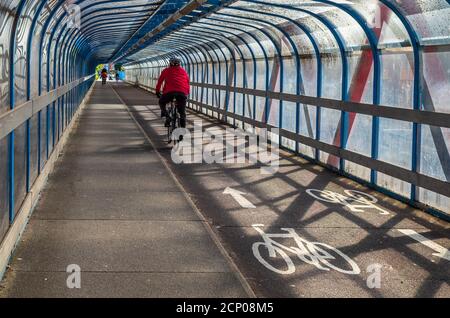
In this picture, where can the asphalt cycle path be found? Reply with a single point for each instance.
(305, 231)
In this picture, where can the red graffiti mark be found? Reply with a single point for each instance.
(358, 83)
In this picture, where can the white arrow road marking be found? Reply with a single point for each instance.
(442, 252)
(239, 197)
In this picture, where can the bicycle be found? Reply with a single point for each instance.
(355, 201)
(175, 121)
(314, 253)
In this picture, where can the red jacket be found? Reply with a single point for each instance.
(175, 79)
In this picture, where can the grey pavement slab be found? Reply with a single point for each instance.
(110, 205)
(145, 178)
(118, 246)
(124, 285)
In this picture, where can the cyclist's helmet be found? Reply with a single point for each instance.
(175, 61)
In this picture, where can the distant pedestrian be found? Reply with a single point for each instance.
(104, 76)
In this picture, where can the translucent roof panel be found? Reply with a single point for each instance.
(130, 30)
(107, 25)
(258, 28)
(429, 18)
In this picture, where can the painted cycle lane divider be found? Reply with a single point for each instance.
(441, 251)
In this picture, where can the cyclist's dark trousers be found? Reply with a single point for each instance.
(181, 100)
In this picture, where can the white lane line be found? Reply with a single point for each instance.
(239, 197)
(441, 251)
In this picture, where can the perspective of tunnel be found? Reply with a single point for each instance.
(360, 86)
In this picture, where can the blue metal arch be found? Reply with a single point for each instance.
(295, 54)
(345, 69)
(28, 132)
(255, 65)
(12, 101)
(192, 49)
(417, 100)
(215, 34)
(308, 33)
(263, 49)
(278, 49)
(244, 67)
(55, 10)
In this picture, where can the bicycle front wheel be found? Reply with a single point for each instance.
(325, 195)
(334, 258)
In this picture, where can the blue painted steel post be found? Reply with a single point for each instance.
(294, 53)
(12, 101)
(417, 100)
(29, 50)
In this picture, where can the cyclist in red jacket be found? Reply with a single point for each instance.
(176, 85)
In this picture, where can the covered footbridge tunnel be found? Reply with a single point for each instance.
(353, 95)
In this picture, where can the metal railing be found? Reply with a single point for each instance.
(12, 119)
(418, 179)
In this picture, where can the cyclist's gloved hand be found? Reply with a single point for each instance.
(158, 94)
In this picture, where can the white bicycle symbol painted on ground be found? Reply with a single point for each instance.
(321, 255)
(355, 201)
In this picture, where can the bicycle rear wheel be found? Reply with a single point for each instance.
(170, 127)
(361, 196)
(169, 134)
(175, 123)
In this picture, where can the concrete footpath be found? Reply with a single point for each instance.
(113, 209)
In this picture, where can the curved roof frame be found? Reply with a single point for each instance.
(193, 9)
(415, 39)
(89, 51)
(223, 39)
(58, 8)
(255, 64)
(345, 66)
(214, 31)
(416, 46)
(267, 34)
(299, 85)
(96, 22)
